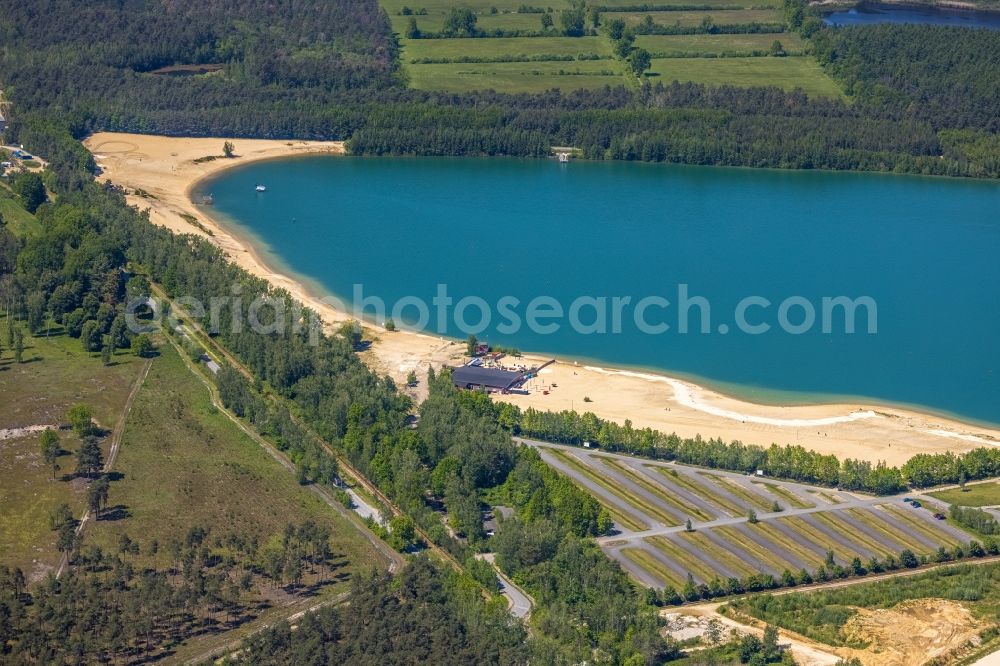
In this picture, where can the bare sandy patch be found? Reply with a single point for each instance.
(911, 633)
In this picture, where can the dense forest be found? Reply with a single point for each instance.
(924, 98)
(419, 618)
(108, 609)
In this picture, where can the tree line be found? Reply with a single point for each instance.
(792, 462)
(322, 71)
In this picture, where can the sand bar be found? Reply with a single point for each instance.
(164, 169)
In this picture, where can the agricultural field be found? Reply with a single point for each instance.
(978, 494)
(690, 18)
(788, 73)
(505, 47)
(502, 20)
(798, 525)
(672, 46)
(553, 61)
(481, 7)
(55, 375)
(624, 5)
(713, 59)
(516, 76)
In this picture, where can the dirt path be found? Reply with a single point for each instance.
(805, 651)
(116, 441)
(233, 647)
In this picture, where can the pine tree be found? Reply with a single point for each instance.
(18, 345)
(97, 496)
(89, 459)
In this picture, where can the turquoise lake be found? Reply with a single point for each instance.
(872, 13)
(924, 250)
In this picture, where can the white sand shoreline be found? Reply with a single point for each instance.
(164, 168)
(686, 394)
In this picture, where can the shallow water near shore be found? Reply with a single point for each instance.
(923, 249)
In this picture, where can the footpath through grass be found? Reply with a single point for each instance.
(55, 375)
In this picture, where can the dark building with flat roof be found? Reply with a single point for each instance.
(491, 379)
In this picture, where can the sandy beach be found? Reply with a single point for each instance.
(160, 173)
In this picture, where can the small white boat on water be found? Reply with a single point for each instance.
(261, 188)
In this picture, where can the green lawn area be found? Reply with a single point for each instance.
(499, 21)
(506, 46)
(481, 7)
(56, 374)
(185, 464)
(724, 4)
(19, 221)
(788, 73)
(515, 21)
(516, 76)
(979, 494)
(666, 46)
(694, 18)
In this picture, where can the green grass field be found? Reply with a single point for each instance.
(725, 4)
(694, 18)
(488, 22)
(667, 46)
(19, 221)
(788, 73)
(517, 76)
(59, 375)
(505, 47)
(185, 464)
(979, 494)
(481, 7)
